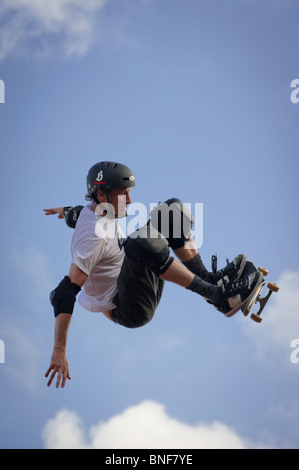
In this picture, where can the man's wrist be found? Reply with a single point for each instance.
(65, 210)
(58, 346)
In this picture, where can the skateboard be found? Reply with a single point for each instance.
(255, 297)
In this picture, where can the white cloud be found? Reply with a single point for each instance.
(37, 22)
(280, 324)
(144, 426)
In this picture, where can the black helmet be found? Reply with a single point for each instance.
(108, 175)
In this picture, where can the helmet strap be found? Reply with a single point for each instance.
(105, 212)
(94, 197)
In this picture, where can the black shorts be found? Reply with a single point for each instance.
(139, 285)
(139, 293)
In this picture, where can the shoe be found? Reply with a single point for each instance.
(236, 293)
(231, 272)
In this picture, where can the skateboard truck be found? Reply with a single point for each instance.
(255, 297)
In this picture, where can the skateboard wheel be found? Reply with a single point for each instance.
(272, 286)
(264, 271)
(256, 318)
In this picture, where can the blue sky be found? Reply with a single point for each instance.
(194, 96)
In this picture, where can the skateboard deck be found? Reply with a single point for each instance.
(255, 296)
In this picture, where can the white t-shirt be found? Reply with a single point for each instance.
(96, 250)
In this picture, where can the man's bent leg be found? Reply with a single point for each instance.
(174, 220)
(180, 275)
(191, 259)
(139, 286)
(151, 249)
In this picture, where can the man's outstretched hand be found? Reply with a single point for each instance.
(59, 366)
(56, 210)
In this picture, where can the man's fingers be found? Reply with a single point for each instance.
(58, 378)
(49, 211)
(63, 380)
(62, 376)
(55, 210)
(55, 370)
(48, 371)
(51, 378)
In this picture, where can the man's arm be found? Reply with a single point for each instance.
(69, 213)
(59, 364)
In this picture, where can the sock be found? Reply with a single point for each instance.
(196, 266)
(205, 289)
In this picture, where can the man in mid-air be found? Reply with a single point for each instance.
(124, 278)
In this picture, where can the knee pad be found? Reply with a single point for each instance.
(174, 220)
(148, 247)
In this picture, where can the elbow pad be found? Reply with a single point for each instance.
(63, 298)
(71, 215)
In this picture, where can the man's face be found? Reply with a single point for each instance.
(120, 199)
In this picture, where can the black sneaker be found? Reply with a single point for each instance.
(236, 293)
(231, 272)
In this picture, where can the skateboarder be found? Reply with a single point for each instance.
(124, 278)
